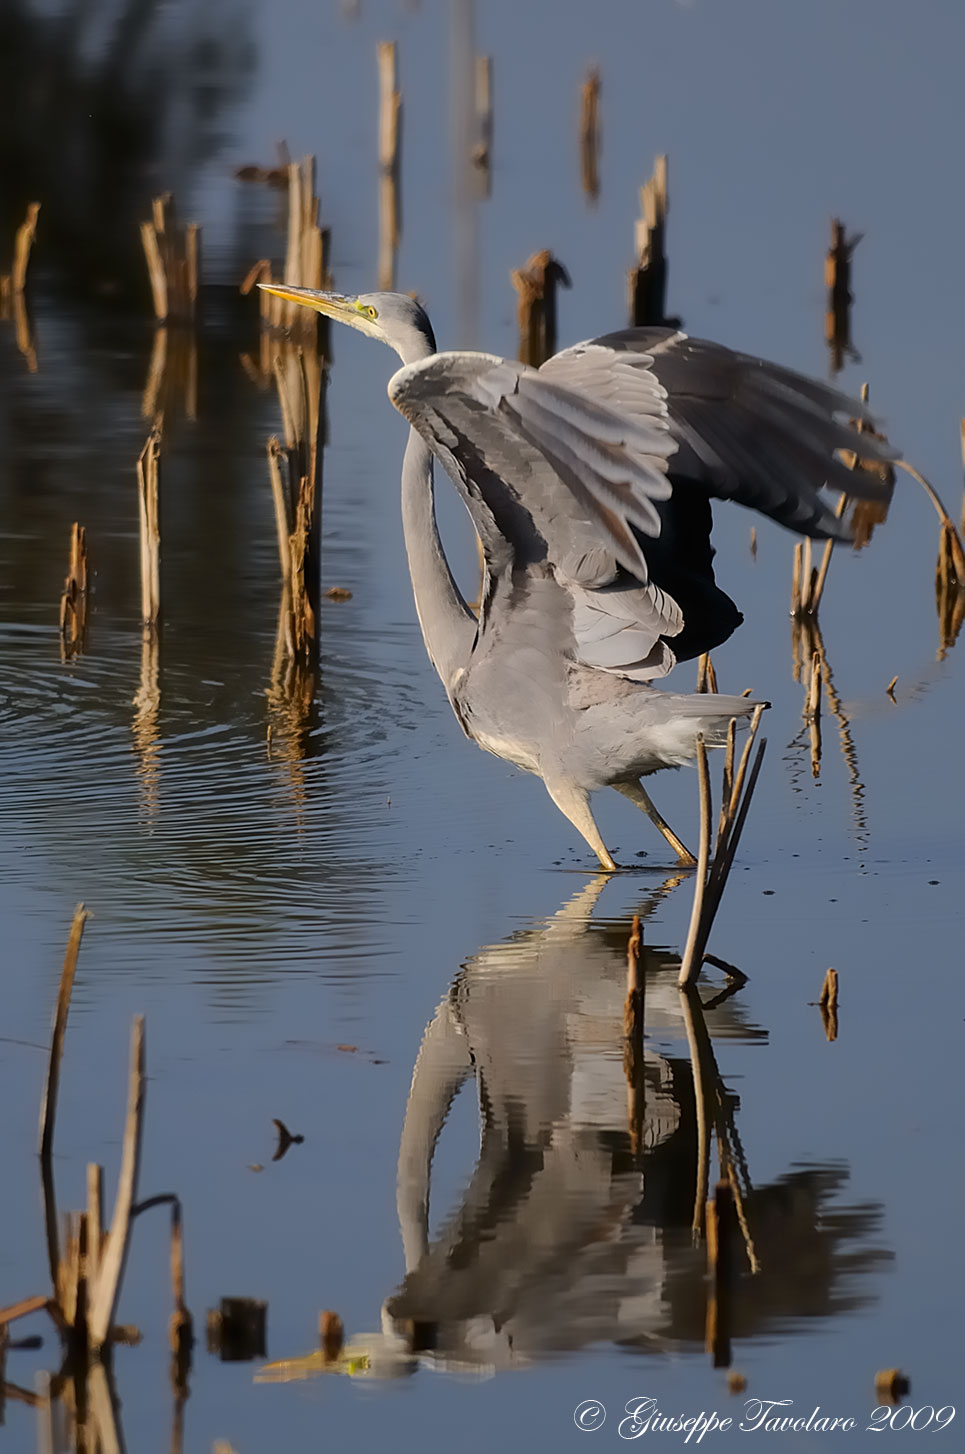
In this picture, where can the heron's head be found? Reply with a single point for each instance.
(395, 318)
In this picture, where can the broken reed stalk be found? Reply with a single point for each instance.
(712, 871)
(331, 1335)
(14, 283)
(173, 256)
(390, 131)
(706, 675)
(590, 134)
(837, 278)
(948, 524)
(148, 473)
(482, 152)
(48, 1107)
(103, 1302)
(806, 595)
(294, 363)
(73, 601)
(828, 1004)
(647, 279)
(720, 1227)
(536, 286)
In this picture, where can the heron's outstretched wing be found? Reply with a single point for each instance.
(745, 429)
(555, 480)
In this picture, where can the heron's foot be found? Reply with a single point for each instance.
(607, 862)
(684, 856)
(641, 799)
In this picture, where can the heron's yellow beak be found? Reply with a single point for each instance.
(333, 305)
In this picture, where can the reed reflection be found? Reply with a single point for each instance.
(565, 1235)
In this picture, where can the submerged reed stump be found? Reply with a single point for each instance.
(73, 601)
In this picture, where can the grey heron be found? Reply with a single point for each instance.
(589, 483)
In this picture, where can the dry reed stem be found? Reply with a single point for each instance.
(647, 280)
(727, 781)
(48, 1109)
(706, 675)
(796, 578)
(390, 120)
(712, 873)
(828, 1004)
(282, 514)
(590, 134)
(22, 1309)
(173, 257)
(73, 600)
(331, 1335)
(482, 151)
(837, 278)
(390, 105)
(14, 283)
(95, 1220)
(115, 1249)
(955, 544)
(536, 312)
(148, 471)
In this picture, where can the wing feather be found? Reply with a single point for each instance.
(558, 481)
(748, 430)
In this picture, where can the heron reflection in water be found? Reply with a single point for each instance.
(567, 1233)
(589, 482)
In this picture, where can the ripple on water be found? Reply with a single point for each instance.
(163, 799)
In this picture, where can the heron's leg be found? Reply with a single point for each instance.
(639, 796)
(575, 803)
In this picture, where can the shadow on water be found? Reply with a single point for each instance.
(581, 1220)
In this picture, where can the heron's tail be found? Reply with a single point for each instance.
(673, 740)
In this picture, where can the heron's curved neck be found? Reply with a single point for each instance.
(448, 626)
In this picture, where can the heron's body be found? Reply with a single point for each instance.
(589, 483)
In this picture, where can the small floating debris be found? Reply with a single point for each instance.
(338, 593)
(891, 1385)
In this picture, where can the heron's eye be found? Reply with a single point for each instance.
(369, 311)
